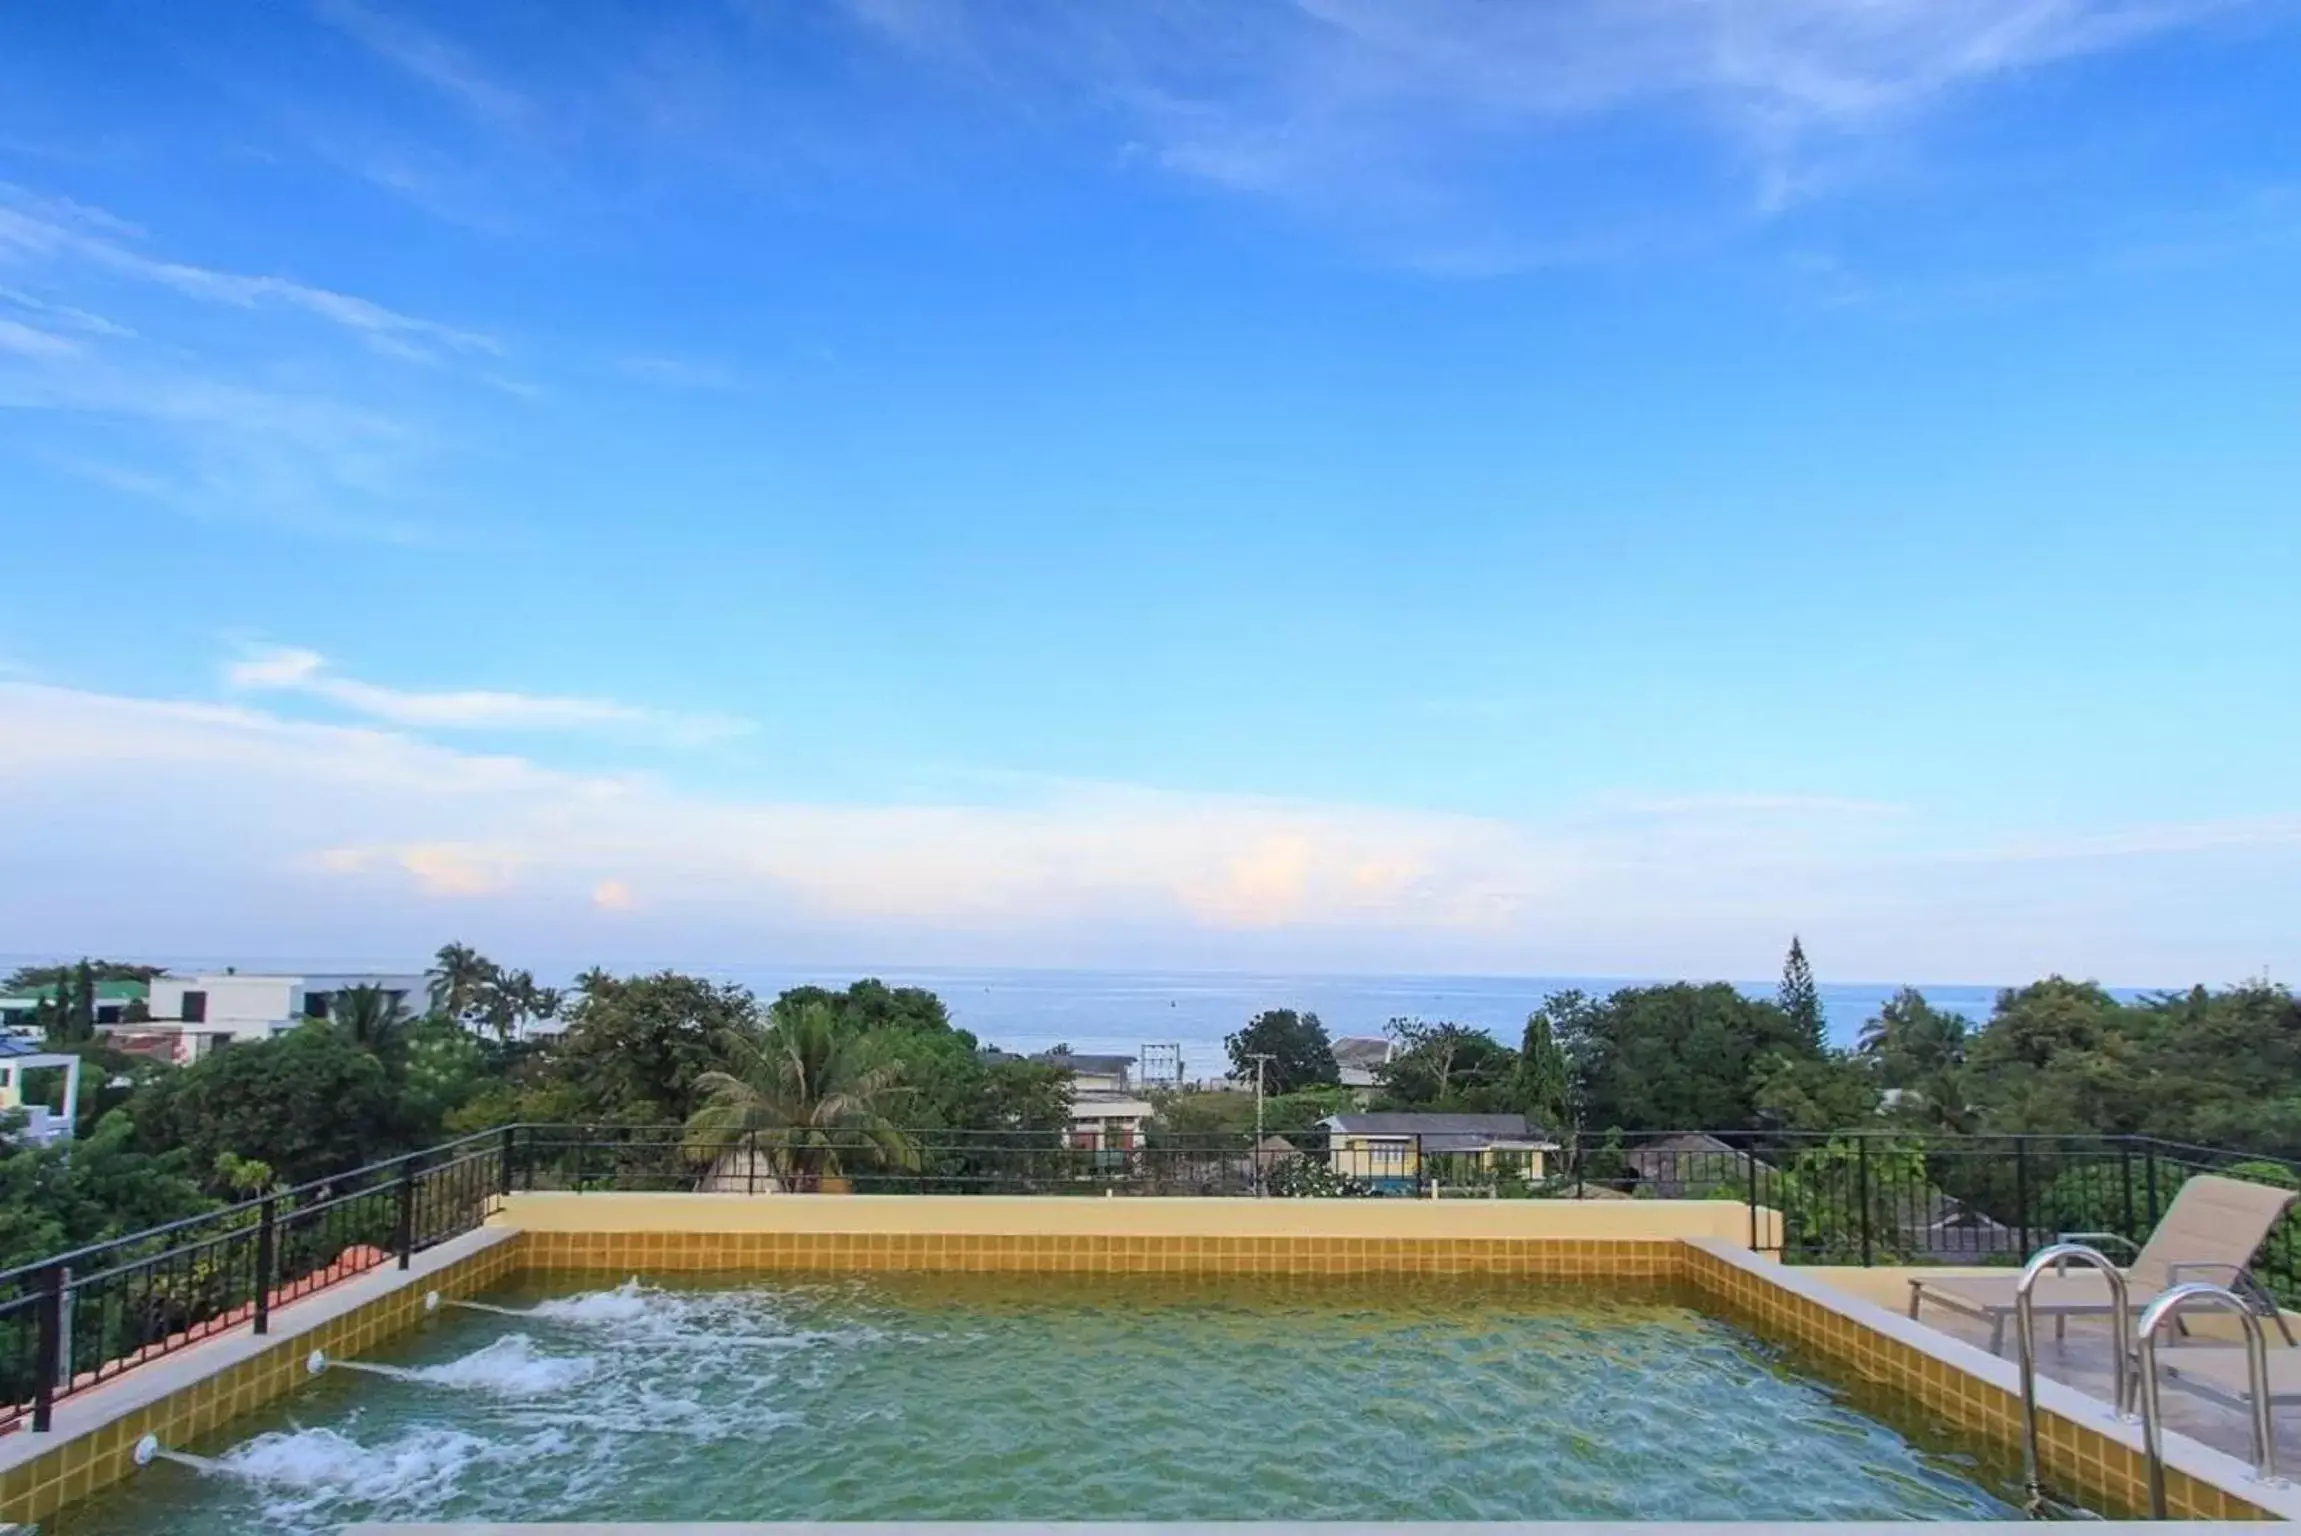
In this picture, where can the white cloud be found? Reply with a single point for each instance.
(1417, 115)
(291, 669)
(169, 825)
(44, 229)
(427, 57)
(25, 341)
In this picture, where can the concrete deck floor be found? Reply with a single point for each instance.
(2084, 1361)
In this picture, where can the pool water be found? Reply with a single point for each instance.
(972, 1397)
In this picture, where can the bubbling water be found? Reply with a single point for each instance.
(509, 1367)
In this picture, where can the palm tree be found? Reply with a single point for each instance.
(372, 1016)
(804, 1094)
(459, 976)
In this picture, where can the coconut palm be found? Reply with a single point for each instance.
(806, 1095)
(459, 977)
(372, 1016)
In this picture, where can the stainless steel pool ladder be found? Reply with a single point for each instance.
(2166, 1309)
(2059, 1256)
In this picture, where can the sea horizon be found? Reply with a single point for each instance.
(1119, 1012)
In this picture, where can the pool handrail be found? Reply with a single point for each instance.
(2059, 1256)
(2167, 1308)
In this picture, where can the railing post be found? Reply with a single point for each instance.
(2021, 1189)
(48, 1349)
(2152, 1173)
(504, 1181)
(751, 1161)
(1862, 1192)
(1421, 1167)
(407, 1213)
(266, 1262)
(1750, 1167)
(2125, 1185)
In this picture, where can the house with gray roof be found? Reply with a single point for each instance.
(1415, 1150)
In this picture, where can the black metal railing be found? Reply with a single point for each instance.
(1866, 1198)
(1862, 1198)
(70, 1322)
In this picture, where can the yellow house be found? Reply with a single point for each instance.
(1400, 1152)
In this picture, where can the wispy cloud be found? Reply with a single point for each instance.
(61, 316)
(289, 669)
(54, 231)
(678, 372)
(325, 835)
(426, 56)
(271, 423)
(1403, 112)
(26, 341)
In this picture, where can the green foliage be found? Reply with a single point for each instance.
(443, 1069)
(310, 1103)
(1447, 1067)
(61, 1197)
(372, 1017)
(1308, 1178)
(1675, 1057)
(1831, 1092)
(1821, 1197)
(1301, 1055)
(482, 996)
(1912, 1043)
(636, 1048)
(1206, 1117)
(1798, 998)
(811, 1096)
(1542, 1080)
(34, 978)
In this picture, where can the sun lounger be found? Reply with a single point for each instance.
(2211, 1232)
(2219, 1373)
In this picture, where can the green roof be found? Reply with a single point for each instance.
(106, 992)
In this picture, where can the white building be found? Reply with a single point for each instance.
(1107, 1111)
(193, 1014)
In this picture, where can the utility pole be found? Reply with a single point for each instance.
(1261, 1060)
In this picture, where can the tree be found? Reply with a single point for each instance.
(460, 977)
(33, 978)
(2058, 1056)
(1676, 1057)
(65, 1195)
(508, 1001)
(1542, 1081)
(1912, 1043)
(1301, 1055)
(1833, 1092)
(1446, 1067)
(372, 1017)
(311, 1103)
(1798, 999)
(635, 1047)
(807, 1095)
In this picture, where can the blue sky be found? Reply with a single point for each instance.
(1431, 485)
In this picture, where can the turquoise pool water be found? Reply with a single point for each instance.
(1096, 1398)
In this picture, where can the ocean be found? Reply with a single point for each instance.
(1121, 1012)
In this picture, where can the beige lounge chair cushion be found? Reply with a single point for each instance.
(2081, 1290)
(2212, 1221)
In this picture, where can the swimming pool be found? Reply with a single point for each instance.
(990, 1397)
